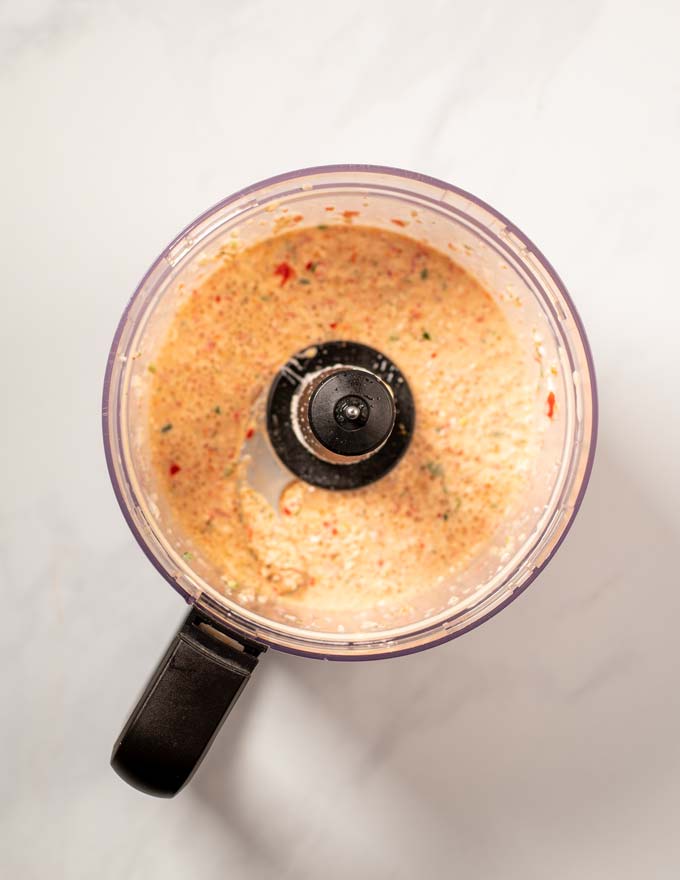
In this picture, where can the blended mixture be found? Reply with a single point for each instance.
(474, 441)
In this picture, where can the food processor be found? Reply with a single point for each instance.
(338, 415)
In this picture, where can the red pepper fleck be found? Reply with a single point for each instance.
(309, 265)
(381, 562)
(174, 469)
(434, 354)
(353, 258)
(218, 299)
(334, 531)
(333, 325)
(329, 208)
(249, 433)
(349, 214)
(237, 416)
(401, 223)
(297, 218)
(285, 270)
(551, 404)
(286, 511)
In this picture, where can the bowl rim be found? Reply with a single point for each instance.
(403, 174)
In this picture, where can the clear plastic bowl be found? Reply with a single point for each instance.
(542, 315)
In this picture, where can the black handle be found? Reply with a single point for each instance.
(183, 707)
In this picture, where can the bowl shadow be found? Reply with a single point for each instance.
(514, 719)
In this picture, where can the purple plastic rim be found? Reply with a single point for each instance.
(404, 175)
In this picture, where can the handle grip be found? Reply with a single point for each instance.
(184, 704)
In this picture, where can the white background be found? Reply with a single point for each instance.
(544, 744)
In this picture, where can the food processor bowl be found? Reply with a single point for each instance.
(216, 650)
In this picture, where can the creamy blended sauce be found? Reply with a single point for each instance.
(472, 448)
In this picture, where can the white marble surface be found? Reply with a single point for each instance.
(544, 744)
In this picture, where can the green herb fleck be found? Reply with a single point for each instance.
(457, 501)
(228, 471)
(304, 281)
(166, 428)
(217, 410)
(188, 556)
(322, 226)
(424, 273)
(393, 337)
(496, 433)
(426, 335)
(445, 516)
(312, 267)
(151, 368)
(434, 469)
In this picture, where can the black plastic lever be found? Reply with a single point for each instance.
(183, 707)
